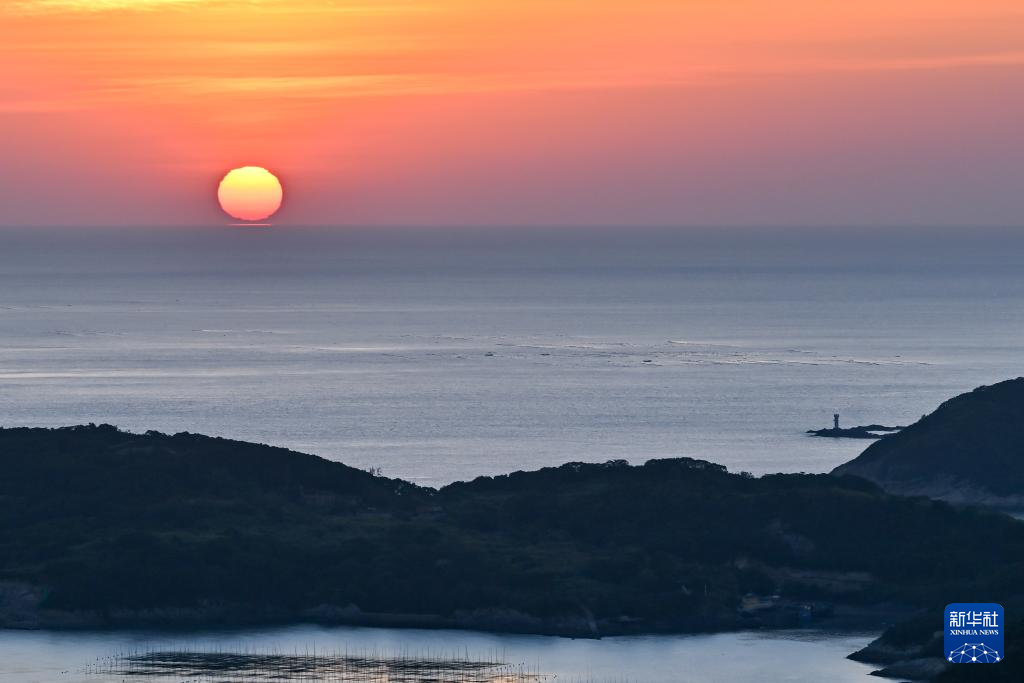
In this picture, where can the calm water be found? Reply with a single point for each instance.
(799, 656)
(445, 354)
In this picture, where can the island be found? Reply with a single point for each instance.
(102, 527)
(862, 432)
(967, 452)
(912, 649)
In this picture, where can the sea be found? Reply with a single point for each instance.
(444, 354)
(304, 654)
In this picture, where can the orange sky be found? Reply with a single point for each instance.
(515, 111)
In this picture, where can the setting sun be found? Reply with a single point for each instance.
(250, 193)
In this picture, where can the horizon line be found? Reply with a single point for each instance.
(524, 226)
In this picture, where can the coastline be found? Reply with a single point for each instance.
(813, 655)
(275, 538)
(26, 614)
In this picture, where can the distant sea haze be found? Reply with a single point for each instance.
(444, 354)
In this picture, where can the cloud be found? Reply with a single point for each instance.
(30, 7)
(49, 6)
(185, 88)
(927, 63)
(92, 62)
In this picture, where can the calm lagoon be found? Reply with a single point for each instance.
(796, 656)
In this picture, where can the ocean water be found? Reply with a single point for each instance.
(785, 657)
(444, 354)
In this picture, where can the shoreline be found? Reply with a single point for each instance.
(496, 621)
(819, 653)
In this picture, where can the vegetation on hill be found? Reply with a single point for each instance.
(1010, 670)
(915, 648)
(128, 527)
(969, 450)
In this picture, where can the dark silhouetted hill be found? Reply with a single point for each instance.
(98, 526)
(970, 450)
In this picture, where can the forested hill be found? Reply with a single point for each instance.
(98, 526)
(89, 465)
(970, 450)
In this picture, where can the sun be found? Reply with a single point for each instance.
(250, 193)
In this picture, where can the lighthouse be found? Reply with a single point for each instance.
(835, 421)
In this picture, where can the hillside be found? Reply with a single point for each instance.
(101, 527)
(970, 450)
